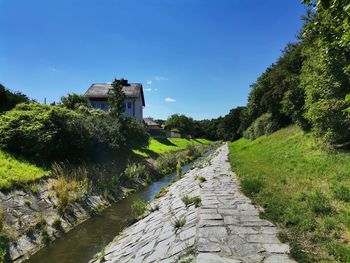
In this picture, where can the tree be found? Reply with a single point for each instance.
(9, 100)
(116, 98)
(325, 74)
(228, 128)
(181, 123)
(73, 101)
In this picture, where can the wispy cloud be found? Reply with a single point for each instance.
(169, 100)
(158, 78)
(149, 82)
(148, 89)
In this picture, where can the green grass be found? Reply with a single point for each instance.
(303, 187)
(15, 172)
(160, 146)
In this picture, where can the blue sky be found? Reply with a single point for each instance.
(196, 57)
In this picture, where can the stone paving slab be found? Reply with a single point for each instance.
(225, 228)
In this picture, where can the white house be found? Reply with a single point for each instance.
(97, 95)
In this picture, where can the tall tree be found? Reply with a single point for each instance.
(116, 98)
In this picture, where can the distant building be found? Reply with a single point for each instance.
(97, 95)
(151, 124)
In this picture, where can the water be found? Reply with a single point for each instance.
(84, 241)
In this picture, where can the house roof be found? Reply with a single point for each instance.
(100, 91)
(150, 122)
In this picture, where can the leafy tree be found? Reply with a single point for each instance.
(181, 123)
(9, 100)
(228, 127)
(74, 101)
(325, 74)
(116, 98)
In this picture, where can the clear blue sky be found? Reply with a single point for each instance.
(196, 57)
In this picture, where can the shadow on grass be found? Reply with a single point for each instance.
(196, 140)
(165, 141)
(150, 153)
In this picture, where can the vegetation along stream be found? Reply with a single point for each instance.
(87, 239)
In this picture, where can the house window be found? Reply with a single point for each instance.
(129, 105)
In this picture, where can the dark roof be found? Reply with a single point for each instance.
(100, 91)
(150, 122)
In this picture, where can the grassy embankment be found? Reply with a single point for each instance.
(160, 146)
(14, 172)
(303, 187)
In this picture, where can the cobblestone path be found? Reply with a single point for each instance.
(225, 228)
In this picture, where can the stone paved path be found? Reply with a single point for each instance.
(225, 228)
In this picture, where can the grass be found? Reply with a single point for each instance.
(14, 172)
(179, 223)
(187, 200)
(160, 146)
(139, 207)
(303, 187)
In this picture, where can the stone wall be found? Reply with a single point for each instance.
(32, 217)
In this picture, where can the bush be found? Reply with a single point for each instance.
(166, 163)
(53, 133)
(9, 100)
(135, 172)
(262, 125)
(138, 208)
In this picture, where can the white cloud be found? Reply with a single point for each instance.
(149, 82)
(148, 89)
(158, 78)
(169, 100)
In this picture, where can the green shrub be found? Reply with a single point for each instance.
(262, 125)
(53, 133)
(166, 163)
(138, 208)
(9, 100)
(135, 172)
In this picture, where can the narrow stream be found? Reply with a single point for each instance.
(85, 240)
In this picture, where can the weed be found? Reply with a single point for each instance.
(138, 208)
(196, 200)
(201, 179)
(27, 202)
(57, 223)
(45, 236)
(135, 172)
(65, 191)
(179, 222)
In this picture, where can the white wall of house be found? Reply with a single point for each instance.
(133, 107)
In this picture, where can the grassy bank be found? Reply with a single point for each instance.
(303, 187)
(14, 171)
(160, 146)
